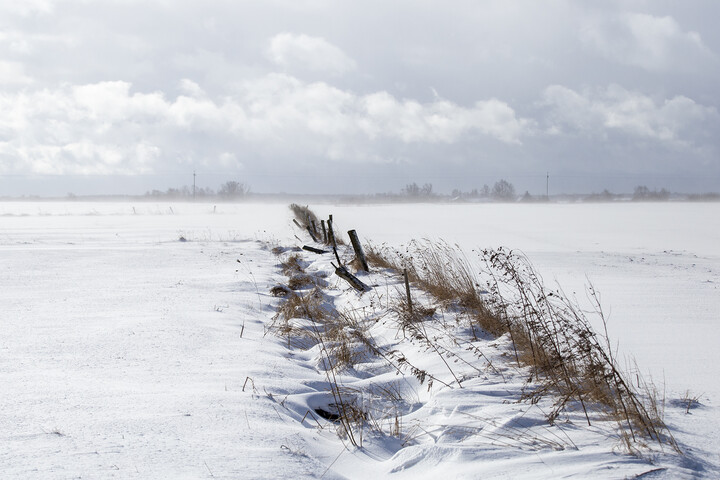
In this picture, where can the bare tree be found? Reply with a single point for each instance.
(503, 190)
(412, 190)
(233, 189)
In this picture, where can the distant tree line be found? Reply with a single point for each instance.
(644, 193)
(227, 191)
(502, 190)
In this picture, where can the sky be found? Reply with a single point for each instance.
(337, 96)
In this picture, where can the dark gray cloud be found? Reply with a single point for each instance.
(602, 95)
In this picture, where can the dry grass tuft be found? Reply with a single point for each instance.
(280, 291)
(304, 215)
(292, 264)
(549, 332)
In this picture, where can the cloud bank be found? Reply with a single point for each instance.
(454, 93)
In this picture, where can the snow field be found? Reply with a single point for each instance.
(123, 357)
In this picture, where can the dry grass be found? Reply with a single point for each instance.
(304, 215)
(309, 319)
(550, 333)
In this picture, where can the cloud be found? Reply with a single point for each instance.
(28, 7)
(191, 88)
(13, 74)
(438, 121)
(650, 42)
(303, 52)
(99, 127)
(598, 112)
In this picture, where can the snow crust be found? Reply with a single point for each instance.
(135, 343)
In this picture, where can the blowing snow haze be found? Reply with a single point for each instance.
(320, 96)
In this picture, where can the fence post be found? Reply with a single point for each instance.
(331, 236)
(325, 235)
(407, 290)
(359, 254)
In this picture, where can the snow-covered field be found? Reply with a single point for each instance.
(126, 353)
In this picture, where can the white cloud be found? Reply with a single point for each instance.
(303, 52)
(191, 88)
(13, 74)
(675, 120)
(99, 127)
(438, 121)
(28, 7)
(650, 42)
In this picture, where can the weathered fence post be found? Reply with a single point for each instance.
(331, 236)
(359, 254)
(407, 290)
(313, 249)
(356, 283)
(325, 235)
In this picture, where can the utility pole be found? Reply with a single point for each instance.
(547, 185)
(193, 185)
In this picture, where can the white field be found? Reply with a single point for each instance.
(121, 353)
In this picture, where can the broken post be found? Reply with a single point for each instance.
(355, 282)
(311, 234)
(359, 254)
(313, 250)
(314, 227)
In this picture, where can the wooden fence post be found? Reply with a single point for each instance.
(325, 235)
(407, 290)
(331, 236)
(356, 283)
(359, 254)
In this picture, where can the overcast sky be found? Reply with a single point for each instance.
(111, 96)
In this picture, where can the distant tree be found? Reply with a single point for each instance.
(485, 192)
(641, 192)
(204, 192)
(662, 194)
(412, 190)
(527, 197)
(644, 193)
(233, 189)
(503, 190)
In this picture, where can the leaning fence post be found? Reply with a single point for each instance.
(325, 235)
(331, 237)
(359, 254)
(407, 290)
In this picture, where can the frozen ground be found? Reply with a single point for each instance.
(127, 353)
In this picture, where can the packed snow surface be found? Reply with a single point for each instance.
(137, 342)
